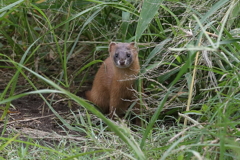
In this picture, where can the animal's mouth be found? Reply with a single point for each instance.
(122, 64)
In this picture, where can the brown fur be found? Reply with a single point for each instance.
(111, 84)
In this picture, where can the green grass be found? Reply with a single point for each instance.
(189, 53)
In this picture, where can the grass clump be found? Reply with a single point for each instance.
(189, 53)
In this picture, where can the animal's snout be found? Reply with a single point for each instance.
(121, 62)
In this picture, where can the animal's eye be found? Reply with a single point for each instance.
(116, 55)
(128, 55)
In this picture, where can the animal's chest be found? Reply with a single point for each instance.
(122, 88)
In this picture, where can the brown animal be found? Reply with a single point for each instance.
(114, 79)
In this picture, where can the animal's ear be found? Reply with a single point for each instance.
(132, 44)
(112, 46)
(133, 47)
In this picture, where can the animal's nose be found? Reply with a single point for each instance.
(122, 62)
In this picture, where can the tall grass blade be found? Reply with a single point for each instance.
(149, 10)
(9, 141)
(155, 51)
(172, 14)
(125, 24)
(212, 11)
(182, 71)
(89, 20)
(10, 6)
(17, 48)
(169, 150)
(224, 22)
(234, 14)
(34, 144)
(13, 81)
(88, 65)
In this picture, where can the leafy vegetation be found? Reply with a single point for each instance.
(189, 53)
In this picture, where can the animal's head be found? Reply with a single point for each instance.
(123, 54)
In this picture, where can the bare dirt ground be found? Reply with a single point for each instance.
(29, 115)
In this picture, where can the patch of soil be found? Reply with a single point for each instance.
(31, 112)
(32, 117)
